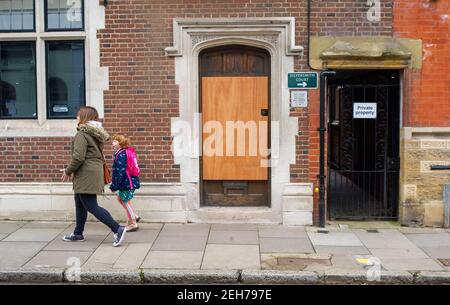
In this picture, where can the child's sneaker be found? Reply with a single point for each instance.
(138, 218)
(119, 236)
(73, 237)
(132, 227)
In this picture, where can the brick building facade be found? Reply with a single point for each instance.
(141, 61)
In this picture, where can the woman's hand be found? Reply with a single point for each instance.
(65, 177)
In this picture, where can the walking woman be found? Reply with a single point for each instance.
(86, 172)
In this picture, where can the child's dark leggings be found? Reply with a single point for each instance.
(85, 203)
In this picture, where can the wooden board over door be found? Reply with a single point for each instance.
(229, 100)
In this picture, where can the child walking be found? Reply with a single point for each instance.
(125, 177)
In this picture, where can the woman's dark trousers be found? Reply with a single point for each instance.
(85, 203)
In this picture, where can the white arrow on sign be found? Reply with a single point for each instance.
(303, 84)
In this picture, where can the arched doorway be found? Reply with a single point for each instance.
(234, 102)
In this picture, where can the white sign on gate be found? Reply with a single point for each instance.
(364, 110)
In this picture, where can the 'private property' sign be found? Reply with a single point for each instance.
(364, 110)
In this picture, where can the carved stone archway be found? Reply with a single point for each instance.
(277, 36)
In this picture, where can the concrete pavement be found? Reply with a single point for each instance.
(225, 253)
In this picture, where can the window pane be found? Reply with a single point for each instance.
(16, 15)
(28, 16)
(65, 78)
(17, 80)
(64, 14)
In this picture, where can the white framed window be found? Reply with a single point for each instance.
(42, 62)
(64, 15)
(17, 15)
(49, 65)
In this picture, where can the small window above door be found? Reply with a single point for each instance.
(235, 61)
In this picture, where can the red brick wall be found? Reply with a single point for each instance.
(426, 91)
(143, 97)
(133, 43)
(33, 159)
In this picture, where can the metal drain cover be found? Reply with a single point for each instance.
(444, 261)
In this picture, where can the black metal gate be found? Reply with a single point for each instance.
(363, 153)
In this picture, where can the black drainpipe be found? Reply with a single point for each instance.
(322, 129)
(309, 32)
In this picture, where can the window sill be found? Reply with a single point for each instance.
(32, 128)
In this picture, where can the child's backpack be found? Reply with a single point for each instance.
(133, 169)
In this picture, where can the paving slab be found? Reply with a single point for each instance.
(286, 245)
(16, 254)
(9, 227)
(339, 262)
(231, 257)
(89, 244)
(191, 230)
(91, 228)
(3, 236)
(180, 243)
(400, 264)
(43, 235)
(141, 236)
(430, 240)
(47, 224)
(437, 252)
(133, 256)
(349, 250)
(388, 239)
(173, 260)
(282, 231)
(104, 257)
(150, 226)
(55, 259)
(248, 237)
(349, 262)
(234, 227)
(334, 239)
(409, 253)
